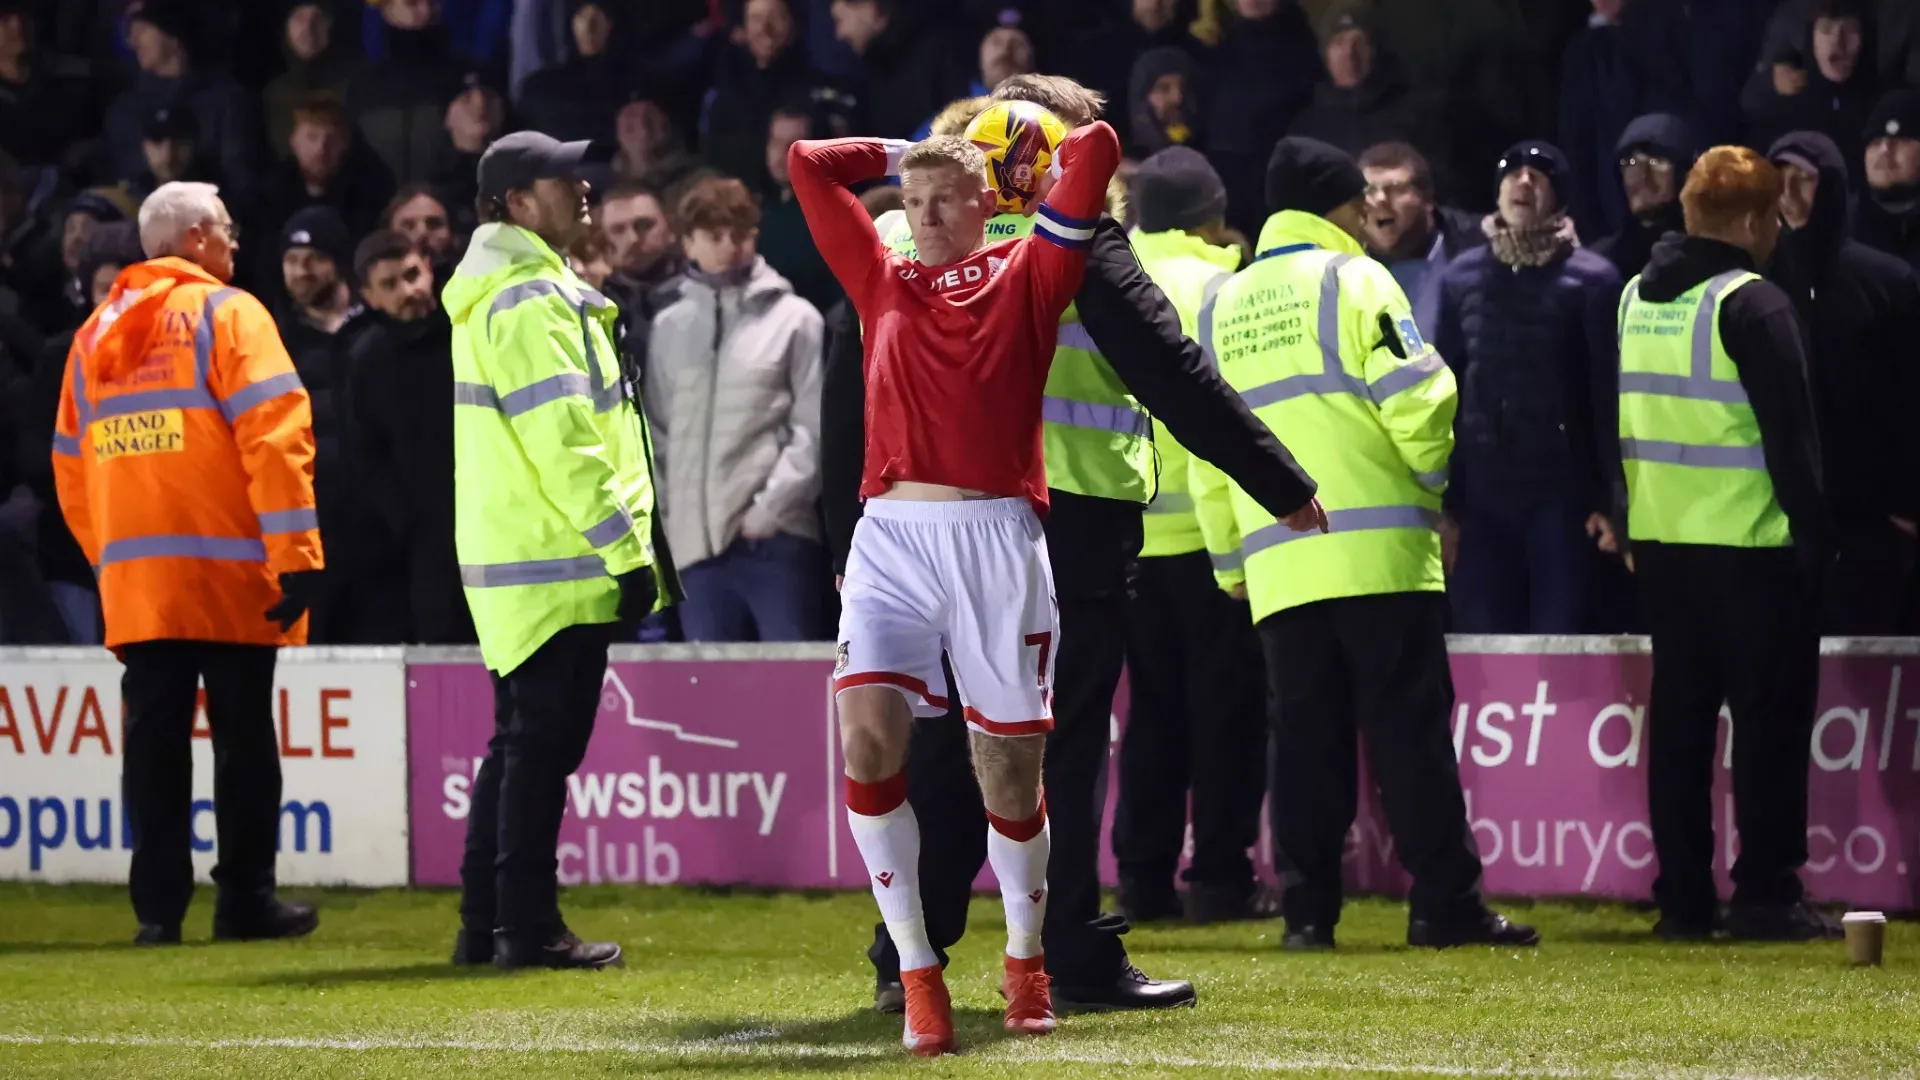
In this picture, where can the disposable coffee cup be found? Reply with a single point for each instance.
(1866, 937)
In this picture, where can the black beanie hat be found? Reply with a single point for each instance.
(322, 229)
(1312, 177)
(178, 19)
(1176, 188)
(1535, 154)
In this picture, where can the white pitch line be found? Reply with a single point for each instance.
(751, 1041)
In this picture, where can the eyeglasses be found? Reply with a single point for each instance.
(1645, 161)
(231, 228)
(1393, 190)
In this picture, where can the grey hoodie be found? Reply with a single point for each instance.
(733, 396)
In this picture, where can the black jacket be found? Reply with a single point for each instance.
(1763, 338)
(400, 103)
(1525, 344)
(1381, 109)
(400, 452)
(1892, 226)
(1861, 312)
(577, 99)
(1138, 331)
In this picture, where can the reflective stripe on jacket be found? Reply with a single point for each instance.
(553, 497)
(1302, 334)
(1189, 270)
(183, 455)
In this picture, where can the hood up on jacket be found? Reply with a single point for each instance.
(1826, 228)
(1663, 133)
(1147, 130)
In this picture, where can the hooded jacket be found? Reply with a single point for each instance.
(733, 396)
(1837, 110)
(1631, 247)
(1146, 133)
(183, 456)
(553, 486)
(1860, 309)
(1762, 336)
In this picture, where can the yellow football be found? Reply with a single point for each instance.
(1019, 139)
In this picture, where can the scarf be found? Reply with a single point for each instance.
(1536, 245)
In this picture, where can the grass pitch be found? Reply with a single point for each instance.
(750, 985)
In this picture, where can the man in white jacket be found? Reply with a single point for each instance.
(733, 394)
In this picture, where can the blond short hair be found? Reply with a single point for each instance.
(953, 119)
(937, 150)
(1074, 104)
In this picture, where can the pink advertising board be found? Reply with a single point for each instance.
(724, 770)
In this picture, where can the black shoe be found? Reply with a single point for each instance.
(1230, 903)
(277, 920)
(473, 947)
(1488, 929)
(1131, 990)
(1143, 904)
(1781, 922)
(158, 934)
(565, 951)
(1675, 928)
(889, 997)
(1307, 938)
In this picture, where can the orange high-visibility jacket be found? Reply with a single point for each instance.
(183, 454)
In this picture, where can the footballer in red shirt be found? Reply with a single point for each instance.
(949, 555)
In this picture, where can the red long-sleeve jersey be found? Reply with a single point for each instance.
(956, 356)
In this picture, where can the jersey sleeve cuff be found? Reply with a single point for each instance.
(896, 149)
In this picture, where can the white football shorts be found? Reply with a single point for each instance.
(966, 578)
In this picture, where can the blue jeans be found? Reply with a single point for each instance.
(79, 608)
(757, 590)
(1523, 568)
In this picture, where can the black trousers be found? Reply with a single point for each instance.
(1869, 587)
(1736, 626)
(543, 713)
(1196, 722)
(1091, 543)
(159, 688)
(1376, 665)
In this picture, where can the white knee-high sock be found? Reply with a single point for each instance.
(888, 836)
(1017, 851)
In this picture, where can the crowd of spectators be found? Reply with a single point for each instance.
(1522, 157)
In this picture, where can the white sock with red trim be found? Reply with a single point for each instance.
(1017, 851)
(888, 836)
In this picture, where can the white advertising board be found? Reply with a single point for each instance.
(340, 720)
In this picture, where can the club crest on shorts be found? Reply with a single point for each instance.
(841, 659)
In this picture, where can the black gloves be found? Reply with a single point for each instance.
(298, 591)
(638, 591)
